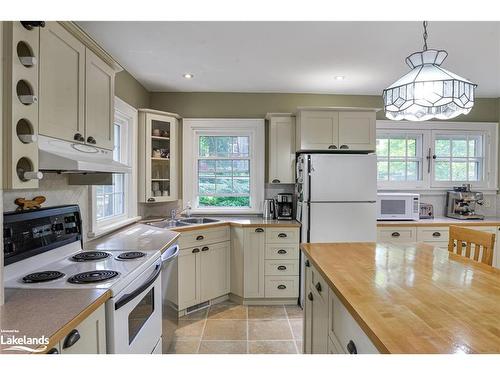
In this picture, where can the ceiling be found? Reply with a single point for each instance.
(294, 57)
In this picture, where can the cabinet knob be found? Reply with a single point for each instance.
(199, 238)
(30, 25)
(151, 199)
(344, 147)
(71, 339)
(281, 286)
(196, 250)
(395, 234)
(275, 181)
(204, 248)
(281, 251)
(307, 263)
(436, 234)
(259, 230)
(332, 147)
(78, 137)
(310, 296)
(318, 287)
(282, 235)
(351, 347)
(281, 268)
(91, 140)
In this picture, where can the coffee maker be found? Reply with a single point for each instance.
(284, 206)
(461, 203)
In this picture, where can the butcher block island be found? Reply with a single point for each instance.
(397, 298)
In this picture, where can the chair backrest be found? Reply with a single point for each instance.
(462, 239)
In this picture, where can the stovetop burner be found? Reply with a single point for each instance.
(92, 277)
(89, 256)
(40, 277)
(131, 255)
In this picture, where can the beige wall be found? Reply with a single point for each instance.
(257, 105)
(131, 91)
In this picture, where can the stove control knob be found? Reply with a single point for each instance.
(8, 248)
(57, 227)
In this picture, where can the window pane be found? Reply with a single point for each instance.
(412, 172)
(412, 147)
(472, 148)
(459, 147)
(241, 167)
(473, 171)
(459, 171)
(224, 146)
(205, 201)
(397, 171)
(206, 185)
(241, 185)
(442, 147)
(206, 167)
(442, 171)
(207, 146)
(382, 147)
(224, 167)
(397, 147)
(383, 170)
(240, 147)
(223, 185)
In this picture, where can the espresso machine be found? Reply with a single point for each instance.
(461, 203)
(284, 206)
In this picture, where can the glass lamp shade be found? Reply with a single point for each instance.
(428, 91)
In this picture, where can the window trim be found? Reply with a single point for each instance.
(254, 128)
(428, 129)
(125, 113)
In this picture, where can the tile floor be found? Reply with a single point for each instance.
(229, 328)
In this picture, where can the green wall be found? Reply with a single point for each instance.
(208, 104)
(131, 91)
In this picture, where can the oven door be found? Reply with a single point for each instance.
(134, 315)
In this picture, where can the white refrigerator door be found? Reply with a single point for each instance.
(343, 222)
(343, 178)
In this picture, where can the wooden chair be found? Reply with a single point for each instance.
(464, 237)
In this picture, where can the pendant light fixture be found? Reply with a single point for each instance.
(428, 90)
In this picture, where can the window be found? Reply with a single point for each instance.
(436, 155)
(115, 205)
(223, 165)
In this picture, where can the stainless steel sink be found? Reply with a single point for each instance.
(168, 224)
(198, 220)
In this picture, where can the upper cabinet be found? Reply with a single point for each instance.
(76, 88)
(335, 129)
(281, 148)
(158, 161)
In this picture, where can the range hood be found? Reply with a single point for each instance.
(55, 155)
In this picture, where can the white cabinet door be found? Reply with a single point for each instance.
(318, 130)
(357, 130)
(315, 317)
(214, 270)
(188, 279)
(89, 337)
(99, 101)
(61, 83)
(281, 149)
(253, 263)
(496, 251)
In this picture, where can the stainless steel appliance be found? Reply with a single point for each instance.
(269, 209)
(336, 199)
(284, 206)
(43, 250)
(398, 206)
(426, 211)
(461, 203)
(169, 292)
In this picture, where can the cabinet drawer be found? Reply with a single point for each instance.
(282, 235)
(281, 267)
(432, 234)
(203, 237)
(281, 286)
(347, 330)
(282, 252)
(397, 234)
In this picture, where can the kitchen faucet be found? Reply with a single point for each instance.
(187, 209)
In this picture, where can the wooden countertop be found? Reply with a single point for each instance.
(414, 298)
(52, 313)
(491, 221)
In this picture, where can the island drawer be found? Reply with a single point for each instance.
(346, 330)
(281, 286)
(432, 234)
(202, 237)
(282, 251)
(281, 267)
(282, 235)
(397, 234)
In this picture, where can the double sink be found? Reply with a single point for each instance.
(175, 223)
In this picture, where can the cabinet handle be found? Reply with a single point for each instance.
(199, 238)
(310, 296)
(281, 251)
(78, 137)
(204, 248)
(332, 147)
(307, 263)
(259, 230)
(281, 268)
(53, 351)
(275, 181)
(71, 339)
(30, 25)
(351, 347)
(395, 234)
(196, 250)
(436, 234)
(281, 286)
(151, 199)
(318, 287)
(91, 140)
(344, 147)
(282, 235)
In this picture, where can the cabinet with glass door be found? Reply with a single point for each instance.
(157, 156)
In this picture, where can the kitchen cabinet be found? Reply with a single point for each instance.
(281, 151)
(158, 156)
(188, 277)
(331, 128)
(214, 270)
(253, 262)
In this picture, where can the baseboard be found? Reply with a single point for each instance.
(262, 301)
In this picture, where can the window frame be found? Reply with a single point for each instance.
(193, 129)
(126, 115)
(429, 130)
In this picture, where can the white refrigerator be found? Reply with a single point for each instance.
(336, 199)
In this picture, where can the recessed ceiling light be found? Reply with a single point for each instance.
(188, 75)
(339, 78)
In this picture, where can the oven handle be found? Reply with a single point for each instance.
(129, 297)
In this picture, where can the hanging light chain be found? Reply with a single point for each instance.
(425, 35)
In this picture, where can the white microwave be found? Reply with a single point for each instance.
(398, 206)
